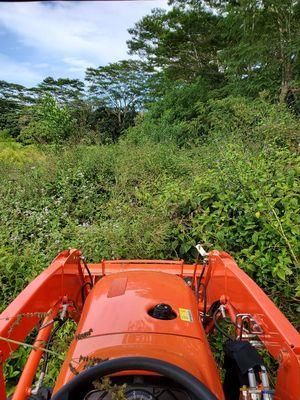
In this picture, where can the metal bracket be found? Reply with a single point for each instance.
(201, 250)
(254, 328)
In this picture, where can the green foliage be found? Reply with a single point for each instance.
(65, 91)
(245, 47)
(183, 41)
(119, 85)
(121, 89)
(47, 123)
(236, 191)
(13, 369)
(13, 98)
(194, 51)
(262, 46)
(188, 116)
(13, 153)
(60, 345)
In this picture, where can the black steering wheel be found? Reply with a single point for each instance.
(190, 383)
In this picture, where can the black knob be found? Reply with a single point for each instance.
(162, 311)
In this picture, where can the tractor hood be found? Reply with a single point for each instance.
(142, 313)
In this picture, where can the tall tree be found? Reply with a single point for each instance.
(263, 42)
(13, 99)
(120, 87)
(64, 90)
(184, 41)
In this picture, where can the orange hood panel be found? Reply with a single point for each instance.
(115, 323)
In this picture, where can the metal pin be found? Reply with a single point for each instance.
(266, 393)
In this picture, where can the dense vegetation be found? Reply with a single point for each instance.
(197, 142)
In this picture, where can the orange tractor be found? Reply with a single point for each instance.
(143, 328)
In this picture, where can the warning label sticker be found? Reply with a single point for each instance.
(185, 315)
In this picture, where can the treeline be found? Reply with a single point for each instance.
(94, 111)
(196, 50)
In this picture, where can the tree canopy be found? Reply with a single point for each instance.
(197, 49)
(184, 41)
(63, 90)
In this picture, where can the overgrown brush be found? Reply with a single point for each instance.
(237, 191)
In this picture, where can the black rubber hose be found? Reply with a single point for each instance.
(88, 271)
(218, 326)
(82, 291)
(178, 375)
(204, 300)
(199, 281)
(49, 341)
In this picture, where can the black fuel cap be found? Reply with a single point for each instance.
(162, 311)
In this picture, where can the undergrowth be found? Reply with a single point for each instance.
(233, 187)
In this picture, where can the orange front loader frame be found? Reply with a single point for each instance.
(60, 287)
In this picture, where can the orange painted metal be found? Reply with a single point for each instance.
(168, 266)
(116, 311)
(58, 280)
(23, 388)
(116, 317)
(61, 278)
(242, 295)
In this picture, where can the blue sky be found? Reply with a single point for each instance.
(61, 39)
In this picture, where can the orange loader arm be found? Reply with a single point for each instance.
(243, 298)
(44, 298)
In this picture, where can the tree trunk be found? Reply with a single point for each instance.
(284, 89)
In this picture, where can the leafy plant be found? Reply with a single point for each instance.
(47, 123)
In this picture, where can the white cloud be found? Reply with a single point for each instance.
(17, 72)
(77, 64)
(78, 34)
(42, 65)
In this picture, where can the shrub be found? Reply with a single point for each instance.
(47, 123)
(237, 191)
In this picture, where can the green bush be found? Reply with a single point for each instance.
(237, 190)
(14, 154)
(157, 201)
(257, 120)
(47, 122)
